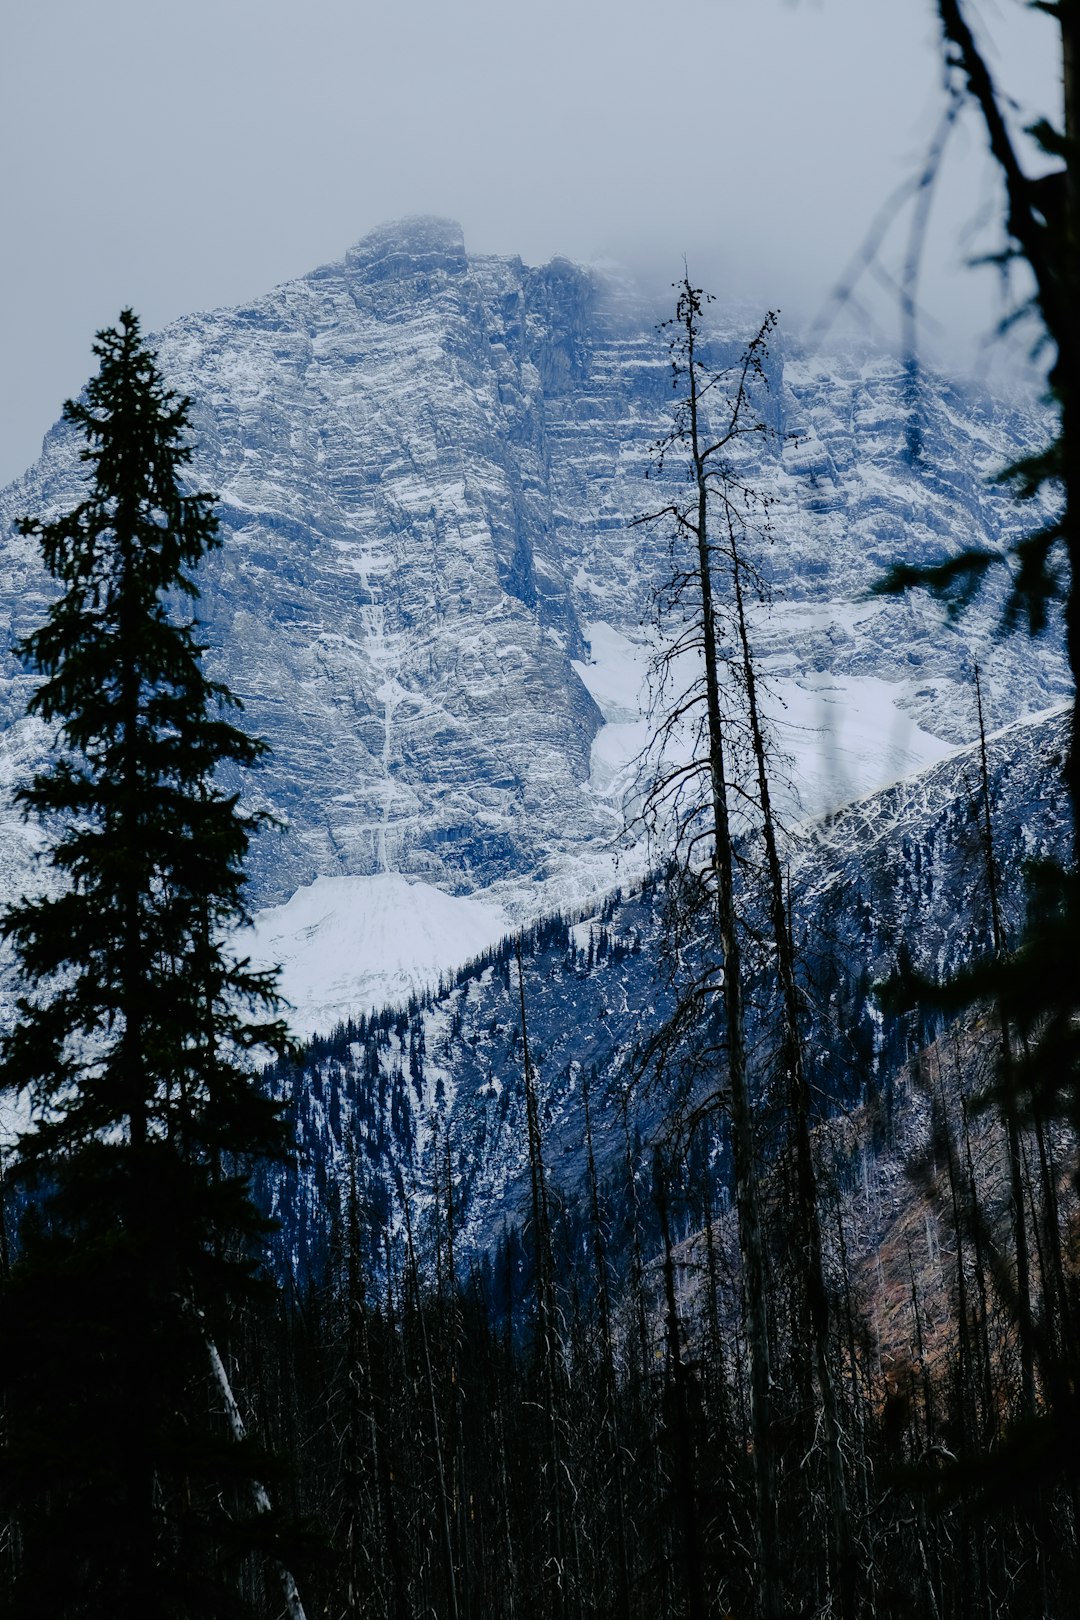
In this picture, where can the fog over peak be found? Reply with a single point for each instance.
(188, 158)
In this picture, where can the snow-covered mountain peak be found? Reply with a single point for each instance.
(430, 591)
(421, 242)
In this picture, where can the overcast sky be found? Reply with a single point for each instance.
(194, 153)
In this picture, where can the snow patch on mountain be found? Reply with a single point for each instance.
(845, 737)
(616, 673)
(347, 945)
(837, 737)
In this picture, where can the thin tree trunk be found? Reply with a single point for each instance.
(440, 1466)
(259, 1495)
(809, 1243)
(1008, 1083)
(611, 1391)
(982, 1290)
(545, 1295)
(747, 1195)
(402, 1602)
(685, 1481)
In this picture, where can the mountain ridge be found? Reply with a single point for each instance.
(427, 463)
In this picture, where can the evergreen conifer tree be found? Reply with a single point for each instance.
(132, 1049)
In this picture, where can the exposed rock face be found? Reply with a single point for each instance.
(427, 462)
(430, 599)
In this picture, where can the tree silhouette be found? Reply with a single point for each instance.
(131, 1047)
(1034, 987)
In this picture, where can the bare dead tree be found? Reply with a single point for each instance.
(699, 793)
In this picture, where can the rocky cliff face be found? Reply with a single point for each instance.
(433, 605)
(431, 602)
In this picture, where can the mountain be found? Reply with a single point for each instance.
(431, 600)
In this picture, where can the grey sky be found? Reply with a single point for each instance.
(177, 156)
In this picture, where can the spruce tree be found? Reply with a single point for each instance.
(132, 1049)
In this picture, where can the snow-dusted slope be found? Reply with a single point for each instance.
(431, 602)
(351, 944)
(900, 873)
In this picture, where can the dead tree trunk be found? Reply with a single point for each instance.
(695, 582)
(550, 1353)
(685, 1471)
(1024, 1322)
(611, 1391)
(440, 1463)
(808, 1219)
(259, 1494)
